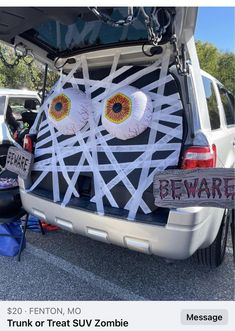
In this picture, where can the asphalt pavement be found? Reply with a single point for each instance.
(65, 266)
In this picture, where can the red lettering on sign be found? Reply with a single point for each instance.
(203, 188)
(216, 183)
(191, 187)
(174, 188)
(163, 188)
(227, 188)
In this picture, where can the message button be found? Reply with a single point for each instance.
(204, 317)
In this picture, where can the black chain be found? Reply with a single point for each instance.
(21, 53)
(28, 60)
(155, 29)
(123, 22)
(33, 79)
(18, 57)
(180, 58)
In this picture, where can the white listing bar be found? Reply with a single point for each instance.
(117, 315)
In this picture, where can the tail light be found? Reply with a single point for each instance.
(16, 135)
(199, 157)
(28, 143)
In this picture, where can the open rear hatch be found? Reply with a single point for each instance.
(116, 117)
(53, 32)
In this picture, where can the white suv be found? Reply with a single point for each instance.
(127, 105)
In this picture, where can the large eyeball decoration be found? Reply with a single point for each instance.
(127, 113)
(69, 111)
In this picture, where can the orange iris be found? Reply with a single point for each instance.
(60, 107)
(118, 108)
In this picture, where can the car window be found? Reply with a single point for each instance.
(228, 105)
(2, 104)
(211, 103)
(19, 106)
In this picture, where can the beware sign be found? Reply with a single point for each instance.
(197, 187)
(19, 161)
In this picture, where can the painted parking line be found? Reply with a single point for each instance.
(87, 276)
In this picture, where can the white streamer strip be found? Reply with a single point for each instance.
(62, 164)
(135, 200)
(55, 179)
(68, 151)
(97, 183)
(103, 167)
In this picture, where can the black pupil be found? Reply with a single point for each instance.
(58, 106)
(117, 107)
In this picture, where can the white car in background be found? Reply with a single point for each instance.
(17, 107)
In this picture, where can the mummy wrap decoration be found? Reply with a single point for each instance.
(69, 111)
(133, 118)
(127, 113)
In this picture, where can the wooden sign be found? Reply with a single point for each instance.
(197, 187)
(19, 161)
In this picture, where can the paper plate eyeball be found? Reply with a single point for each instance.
(69, 111)
(127, 113)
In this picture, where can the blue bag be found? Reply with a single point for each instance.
(10, 246)
(33, 224)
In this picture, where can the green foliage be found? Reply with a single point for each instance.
(226, 72)
(19, 76)
(218, 64)
(208, 56)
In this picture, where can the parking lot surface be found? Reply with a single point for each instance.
(65, 266)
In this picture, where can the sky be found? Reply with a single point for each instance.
(217, 26)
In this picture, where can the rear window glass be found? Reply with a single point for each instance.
(228, 105)
(88, 31)
(83, 33)
(211, 103)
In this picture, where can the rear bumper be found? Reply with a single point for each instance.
(186, 230)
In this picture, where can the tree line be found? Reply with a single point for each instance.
(219, 64)
(20, 76)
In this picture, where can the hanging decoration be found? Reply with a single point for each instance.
(68, 111)
(156, 22)
(127, 113)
